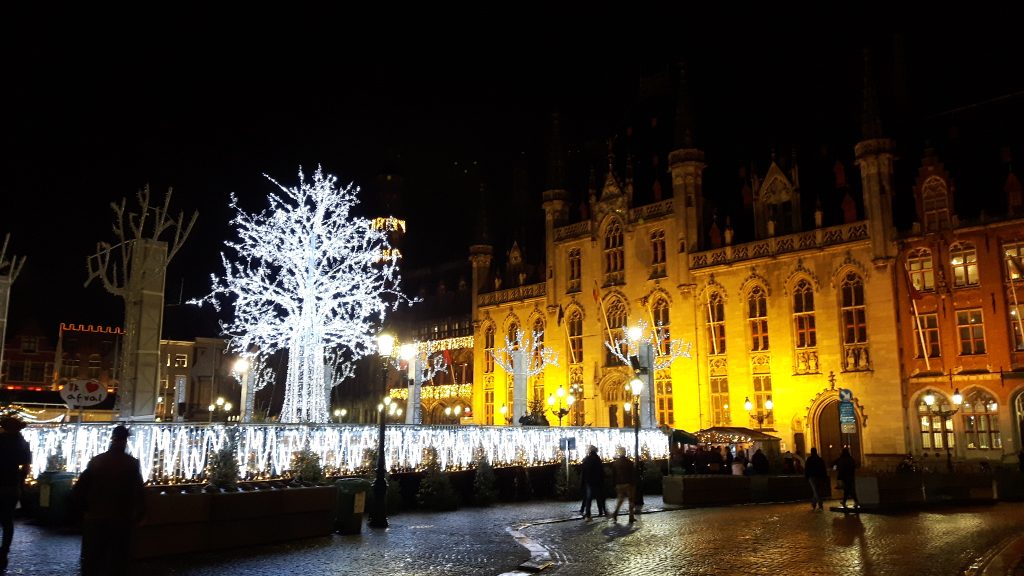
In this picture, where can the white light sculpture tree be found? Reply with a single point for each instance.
(524, 358)
(310, 277)
(420, 368)
(650, 357)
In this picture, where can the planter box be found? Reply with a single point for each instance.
(978, 487)
(890, 490)
(1009, 485)
(705, 490)
(183, 523)
(779, 488)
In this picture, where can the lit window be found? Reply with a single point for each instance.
(757, 318)
(720, 400)
(489, 349)
(921, 268)
(657, 253)
(762, 394)
(661, 320)
(980, 414)
(716, 323)
(971, 328)
(616, 321)
(931, 423)
(963, 257)
(575, 269)
(576, 336)
(803, 315)
(929, 325)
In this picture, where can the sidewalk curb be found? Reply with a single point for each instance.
(1002, 560)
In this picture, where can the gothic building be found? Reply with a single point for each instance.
(795, 313)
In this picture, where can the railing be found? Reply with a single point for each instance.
(651, 211)
(577, 230)
(512, 294)
(781, 245)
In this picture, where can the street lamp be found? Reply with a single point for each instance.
(504, 414)
(219, 405)
(636, 386)
(563, 409)
(453, 413)
(947, 430)
(379, 513)
(339, 414)
(759, 416)
(576, 391)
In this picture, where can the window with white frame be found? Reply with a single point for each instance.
(922, 269)
(927, 324)
(971, 328)
(963, 257)
(980, 414)
(934, 432)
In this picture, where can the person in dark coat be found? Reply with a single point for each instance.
(759, 462)
(625, 482)
(593, 482)
(817, 476)
(110, 493)
(845, 467)
(15, 459)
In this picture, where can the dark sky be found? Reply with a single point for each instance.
(92, 113)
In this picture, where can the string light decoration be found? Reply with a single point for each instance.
(538, 355)
(176, 453)
(436, 392)
(628, 344)
(308, 278)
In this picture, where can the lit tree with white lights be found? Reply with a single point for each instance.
(524, 357)
(309, 277)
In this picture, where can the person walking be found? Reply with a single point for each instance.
(625, 482)
(817, 476)
(845, 467)
(110, 492)
(15, 459)
(593, 482)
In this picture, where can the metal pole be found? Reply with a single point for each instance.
(379, 513)
(947, 435)
(638, 500)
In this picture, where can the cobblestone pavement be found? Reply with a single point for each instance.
(757, 539)
(781, 539)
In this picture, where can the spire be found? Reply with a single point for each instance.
(684, 111)
(871, 123)
(611, 187)
(481, 233)
(556, 177)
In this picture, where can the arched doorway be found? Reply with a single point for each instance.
(829, 440)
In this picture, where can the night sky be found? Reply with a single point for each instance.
(91, 114)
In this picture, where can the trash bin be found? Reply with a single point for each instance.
(348, 514)
(55, 497)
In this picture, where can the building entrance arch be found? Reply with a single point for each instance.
(828, 438)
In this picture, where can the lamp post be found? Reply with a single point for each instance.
(504, 414)
(339, 414)
(636, 386)
(947, 432)
(576, 391)
(379, 513)
(453, 414)
(563, 409)
(219, 405)
(759, 416)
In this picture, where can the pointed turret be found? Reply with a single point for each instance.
(686, 163)
(875, 159)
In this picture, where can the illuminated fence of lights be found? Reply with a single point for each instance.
(438, 392)
(175, 453)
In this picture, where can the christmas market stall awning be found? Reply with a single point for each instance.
(680, 436)
(732, 435)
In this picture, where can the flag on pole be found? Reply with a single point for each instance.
(597, 294)
(561, 314)
(1016, 266)
(916, 295)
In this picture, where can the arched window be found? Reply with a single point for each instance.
(575, 271)
(661, 323)
(665, 406)
(538, 380)
(931, 422)
(963, 257)
(489, 349)
(613, 254)
(576, 336)
(855, 326)
(935, 204)
(803, 315)
(757, 318)
(616, 320)
(716, 323)
(980, 414)
(657, 253)
(921, 269)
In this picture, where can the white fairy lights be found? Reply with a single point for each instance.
(308, 278)
(172, 453)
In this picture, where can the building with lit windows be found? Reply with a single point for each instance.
(961, 286)
(801, 308)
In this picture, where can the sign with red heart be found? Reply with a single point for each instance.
(82, 393)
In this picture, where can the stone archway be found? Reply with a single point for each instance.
(612, 387)
(828, 438)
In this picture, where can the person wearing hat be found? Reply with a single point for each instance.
(15, 459)
(110, 494)
(593, 482)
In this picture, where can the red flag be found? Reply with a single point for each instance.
(447, 357)
(915, 294)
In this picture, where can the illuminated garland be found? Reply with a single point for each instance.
(438, 392)
(432, 346)
(172, 453)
